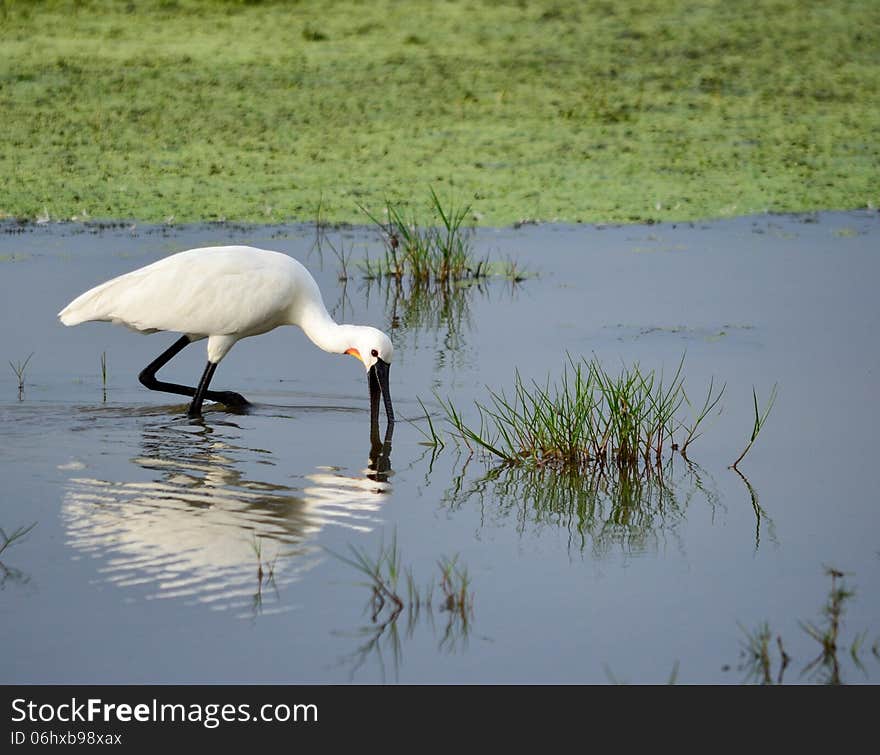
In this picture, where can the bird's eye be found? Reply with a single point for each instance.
(374, 353)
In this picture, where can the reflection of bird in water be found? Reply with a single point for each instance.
(202, 529)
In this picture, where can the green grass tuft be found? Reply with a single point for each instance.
(19, 369)
(759, 420)
(438, 252)
(590, 418)
(17, 534)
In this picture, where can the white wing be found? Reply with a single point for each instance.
(210, 291)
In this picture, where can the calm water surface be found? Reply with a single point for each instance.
(144, 564)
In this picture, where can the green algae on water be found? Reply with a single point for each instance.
(561, 110)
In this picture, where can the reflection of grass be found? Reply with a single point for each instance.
(390, 599)
(411, 306)
(828, 634)
(760, 514)
(455, 585)
(673, 675)
(265, 568)
(382, 572)
(756, 652)
(8, 574)
(759, 658)
(265, 573)
(439, 315)
(385, 570)
(602, 509)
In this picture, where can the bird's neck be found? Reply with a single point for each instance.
(325, 333)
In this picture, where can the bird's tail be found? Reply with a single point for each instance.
(89, 306)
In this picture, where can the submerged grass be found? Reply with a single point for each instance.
(573, 111)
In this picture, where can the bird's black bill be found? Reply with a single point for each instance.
(378, 379)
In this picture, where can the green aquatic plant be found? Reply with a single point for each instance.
(9, 574)
(711, 401)
(322, 239)
(590, 418)
(432, 437)
(104, 373)
(19, 369)
(17, 534)
(759, 420)
(437, 252)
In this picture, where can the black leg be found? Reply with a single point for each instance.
(195, 408)
(148, 379)
(148, 374)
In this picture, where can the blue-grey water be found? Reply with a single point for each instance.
(144, 564)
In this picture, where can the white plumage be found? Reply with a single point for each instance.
(224, 294)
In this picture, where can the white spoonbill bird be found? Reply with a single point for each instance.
(224, 294)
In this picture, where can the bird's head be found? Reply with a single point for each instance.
(371, 346)
(376, 351)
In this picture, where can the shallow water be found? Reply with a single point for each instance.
(144, 564)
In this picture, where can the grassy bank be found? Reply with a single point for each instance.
(599, 111)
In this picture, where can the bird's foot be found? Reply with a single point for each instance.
(232, 400)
